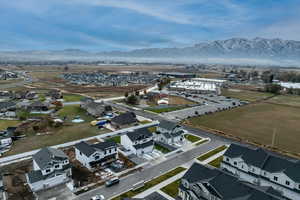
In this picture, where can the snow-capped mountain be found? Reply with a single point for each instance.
(231, 50)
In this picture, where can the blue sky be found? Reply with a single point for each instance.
(105, 25)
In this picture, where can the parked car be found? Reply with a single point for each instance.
(112, 182)
(98, 197)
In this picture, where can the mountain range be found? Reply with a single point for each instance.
(235, 50)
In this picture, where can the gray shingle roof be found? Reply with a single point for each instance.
(125, 118)
(88, 149)
(226, 186)
(167, 125)
(265, 160)
(139, 134)
(35, 176)
(46, 155)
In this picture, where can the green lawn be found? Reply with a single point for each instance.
(168, 109)
(201, 142)
(192, 138)
(172, 189)
(72, 111)
(290, 100)
(150, 184)
(211, 153)
(161, 148)
(7, 123)
(216, 162)
(72, 97)
(116, 139)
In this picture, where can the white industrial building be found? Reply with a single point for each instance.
(199, 85)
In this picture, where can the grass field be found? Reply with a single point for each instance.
(161, 148)
(57, 136)
(72, 97)
(246, 95)
(167, 109)
(6, 123)
(211, 153)
(192, 138)
(291, 100)
(150, 184)
(257, 122)
(72, 111)
(172, 189)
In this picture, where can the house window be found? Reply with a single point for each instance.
(287, 183)
(56, 166)
(47, 170)
(235, 163)
(80, 153)
(242, 166)
(275, 178)
(253, 170)
(96, 157)
(227, 159)
(299, 187)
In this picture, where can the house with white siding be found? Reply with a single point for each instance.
(51, 167)
(93, 155)
(169, 133)
(206, 183)
(263, 168)
(138, 142)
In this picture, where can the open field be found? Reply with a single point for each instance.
(55, 136)
(165, 109)
(246, 95)
(291, 100)
(150, 184)
(256, 123)
(6, 123)
(72, 97)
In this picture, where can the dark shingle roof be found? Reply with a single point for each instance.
(265, 160)
(124, 119)
(35, 176)
(167, 125)
(144, 145)
(46, 155)
(88, 149)
(226, 186)
(139, 134)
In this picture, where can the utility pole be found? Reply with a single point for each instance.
(274, 137)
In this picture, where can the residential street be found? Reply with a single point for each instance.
(151, 171)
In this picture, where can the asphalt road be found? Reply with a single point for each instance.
(151, 172)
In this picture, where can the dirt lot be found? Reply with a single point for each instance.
(246, 95)
(14, 180)
(174, 100)
(257, 123)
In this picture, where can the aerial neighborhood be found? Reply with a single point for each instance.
(149, 135)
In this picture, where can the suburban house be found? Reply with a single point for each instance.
(5, 95)
(38, 106)
(55, 94)
(124, 120)
(29, 95)
(93, 155)
(201, 182)
(51, 167)
(138, 141)
(6, 137)
(169, 132)
(263, 168)
(8, 109)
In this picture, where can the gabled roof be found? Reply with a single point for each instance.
(89, 149)
(226, 186)
(125, 118)
(168, 125)
(265, 160)
(47, 155)
(139, 134)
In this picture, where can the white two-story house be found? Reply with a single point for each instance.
(139, 142)
(93, 155)
(169, 133)
(51, 167)
(207, 183)
(264, 168)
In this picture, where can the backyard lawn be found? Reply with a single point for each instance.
(72, 97)
(72, 111)
(116, 139)
(257, 123)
